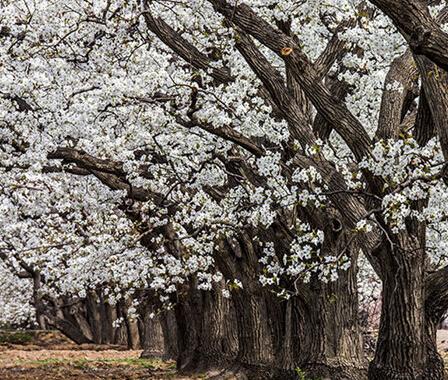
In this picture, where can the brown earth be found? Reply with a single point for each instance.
(48, 364)
(50, 356)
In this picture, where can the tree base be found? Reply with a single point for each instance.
(335, 372)
(252, 372)
(381, 373)
(238, 371)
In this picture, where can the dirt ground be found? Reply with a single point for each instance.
(49, 356)
(49, 364)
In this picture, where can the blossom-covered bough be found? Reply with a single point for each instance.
(154, 150)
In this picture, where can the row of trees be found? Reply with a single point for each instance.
(218, 167)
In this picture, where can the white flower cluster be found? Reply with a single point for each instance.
(410, 173)
(304, 260)
(16, 309)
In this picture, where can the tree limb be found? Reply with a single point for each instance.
(424, 35)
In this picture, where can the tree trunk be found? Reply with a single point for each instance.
(218, 339)
(169, 330)
(435, 366)
(107, 319)
(254, 359)
(188, 313)
(317, 331)
(68, 316)
(38, 302)
(254, 338)
(331, 343)
(152, 335)
(205, 332)
(94, 317)
(76, 315)
(70, 330)
(401, 350)
(132, 335)
(330, 339)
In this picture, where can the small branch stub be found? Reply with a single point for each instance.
(286, 51)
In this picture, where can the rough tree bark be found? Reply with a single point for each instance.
(38, 301)
(132, 333)
(318, 331)
(151, 334)
(169, 330)
(254, 357)
(406, 347)
(331, 340)
(92, 304)
(205, 341)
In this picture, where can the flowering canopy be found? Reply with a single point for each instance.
(137, 136)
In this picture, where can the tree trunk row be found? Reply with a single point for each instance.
(256, 335)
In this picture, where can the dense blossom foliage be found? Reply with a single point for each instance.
(204, 145)
(15, 299)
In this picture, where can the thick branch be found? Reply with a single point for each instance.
(183, 48)
(351, 208)
(424, 129)
(413, 20)
(437, 294)
(435, 85)
(109, 172)
(274, 83)
(435, 82)
(331, 108)
(225, 132)
(339, 89)
(334, 51)
(400, 87)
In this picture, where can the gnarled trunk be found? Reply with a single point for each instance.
(94, 317)
(204, 331)
(330, 337)
(318, 331)
(70, 330)
(255, 342)
(254, 316)
(188, 314)
(38, 302)
(132, 333)
(435, 367)
(401, 352)
(218, 340)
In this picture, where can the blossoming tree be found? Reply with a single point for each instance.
(249, 148)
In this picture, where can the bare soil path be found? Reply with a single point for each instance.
(49, 356)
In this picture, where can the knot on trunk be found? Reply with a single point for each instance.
(336, 225)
